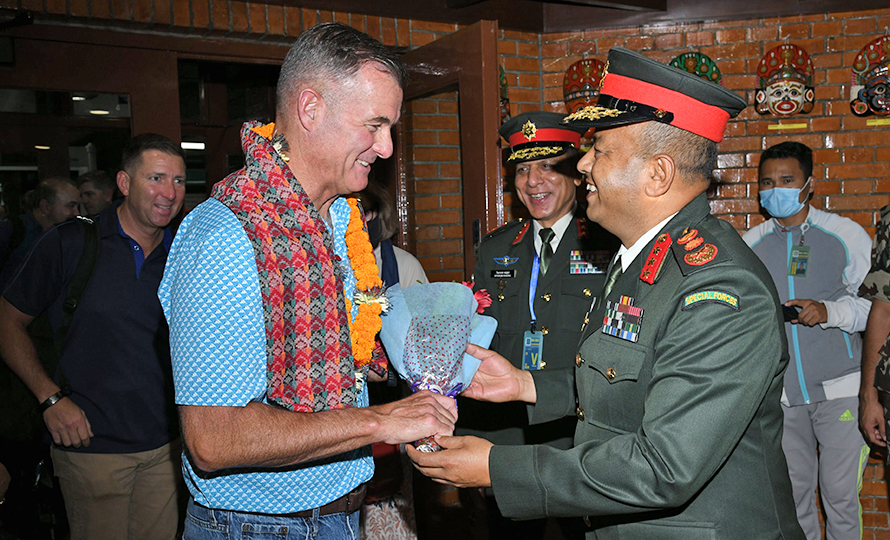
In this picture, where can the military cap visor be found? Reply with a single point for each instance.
(638, 89)
(539, 135)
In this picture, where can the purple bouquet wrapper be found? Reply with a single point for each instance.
(425, 332)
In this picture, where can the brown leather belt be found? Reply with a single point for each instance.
(347, 503)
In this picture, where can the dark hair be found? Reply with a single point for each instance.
(332, 53)
(101, 179)
(48, 189)
(375, 198)
(132, 155)
(693, 154)
(789, 149)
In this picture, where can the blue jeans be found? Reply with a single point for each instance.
(206, 524)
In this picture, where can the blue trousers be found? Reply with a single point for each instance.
(208, 524)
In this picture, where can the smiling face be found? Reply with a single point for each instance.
(612, 170)
(547, 193)
(154, 190)
(355, 130)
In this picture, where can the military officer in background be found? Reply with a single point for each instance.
(558, 259)
(679, 374)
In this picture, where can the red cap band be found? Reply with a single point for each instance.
(546, 135)
(690, 114)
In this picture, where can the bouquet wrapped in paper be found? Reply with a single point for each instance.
(425, 333)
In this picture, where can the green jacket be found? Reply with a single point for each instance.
(678, 434)
(563, 297)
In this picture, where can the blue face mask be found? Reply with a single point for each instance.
(783, 202)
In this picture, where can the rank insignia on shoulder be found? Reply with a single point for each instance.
(582, 227)
(696, 248)
(710, 297)
(506, 260)
(622, 319)
(652, 266)
(588, 262)
(522, 232)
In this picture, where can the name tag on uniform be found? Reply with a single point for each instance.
(532, 349)
(502, 274)
(797, 263)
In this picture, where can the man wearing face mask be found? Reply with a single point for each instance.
(817, 260)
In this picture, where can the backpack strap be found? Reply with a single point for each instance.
(79, 280)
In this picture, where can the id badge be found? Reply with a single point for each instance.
(532, 347)
(797, 264)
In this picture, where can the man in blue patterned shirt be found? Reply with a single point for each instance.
(275, 417)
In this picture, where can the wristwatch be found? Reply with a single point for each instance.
(51, 400)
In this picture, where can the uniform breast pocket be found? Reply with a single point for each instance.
(575, 299)
(612, 387)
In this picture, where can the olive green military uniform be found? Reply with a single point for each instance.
(562, 298)
(679, 433)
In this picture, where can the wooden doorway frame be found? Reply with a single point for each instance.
(467, 60)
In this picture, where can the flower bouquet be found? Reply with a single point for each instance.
(425, 333)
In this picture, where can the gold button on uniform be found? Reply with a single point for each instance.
(579, 413)
(545, 330)
(500, 298)
(587, 293)
(610, 373)
(543, 364)
(546, 297)
(578, 360)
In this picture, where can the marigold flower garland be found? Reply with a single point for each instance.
(368, 288)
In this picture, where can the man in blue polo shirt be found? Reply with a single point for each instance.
(109, 406)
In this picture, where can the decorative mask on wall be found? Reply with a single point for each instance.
(581, 85)
(504, 100)
(870, 92)
(698, 64)
(785, 75)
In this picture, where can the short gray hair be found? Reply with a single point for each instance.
(330, 54)
(695, 155)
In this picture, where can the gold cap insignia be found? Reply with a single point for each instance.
(599, 87)
(594, 112)
(529, 130)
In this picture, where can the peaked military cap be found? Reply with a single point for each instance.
(539, 135)
(639, 89)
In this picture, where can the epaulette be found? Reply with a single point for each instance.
(583, 229)
(697, 248)
(506, 227)
(655, 259)
(522, 232)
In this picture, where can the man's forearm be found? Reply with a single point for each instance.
(261, 435)
(17, 350)
(876, 331)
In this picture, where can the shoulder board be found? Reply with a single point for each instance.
(655, 259)
(583, 229)
(522, 232)
(696, 249)
(505, 227)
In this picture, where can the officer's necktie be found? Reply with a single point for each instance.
(546, 249)
(614, 274)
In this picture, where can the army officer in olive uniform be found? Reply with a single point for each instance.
(679, 375)
(563, 276)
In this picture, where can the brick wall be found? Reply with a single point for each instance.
(853, 168)
(434, 185)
